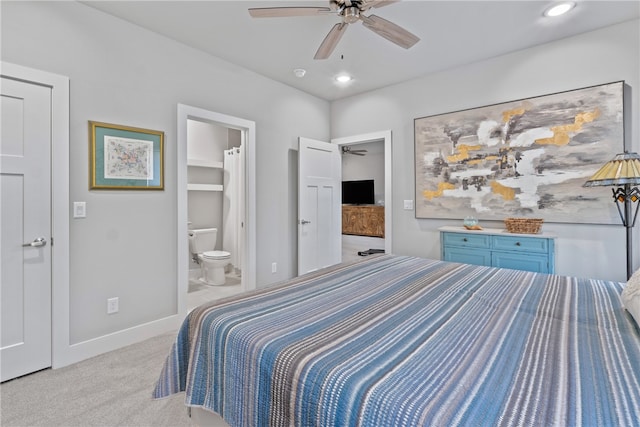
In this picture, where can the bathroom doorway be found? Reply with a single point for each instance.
(215, 191)
(215, 194)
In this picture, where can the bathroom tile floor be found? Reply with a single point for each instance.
(199, 293)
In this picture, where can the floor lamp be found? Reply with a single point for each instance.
(623, 171)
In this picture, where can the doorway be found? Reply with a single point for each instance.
(378, 149)
(363, 178)
(243, 131)
(215, 192)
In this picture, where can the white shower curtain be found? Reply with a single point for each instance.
(233, 206)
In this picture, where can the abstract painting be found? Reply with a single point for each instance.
(525, 158)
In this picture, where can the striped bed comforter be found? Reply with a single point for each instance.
(404, 341)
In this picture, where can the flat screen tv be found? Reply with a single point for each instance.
(358, 192)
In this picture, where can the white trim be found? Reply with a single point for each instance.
(388, 199)
(60, 350)
(248, 129)
(95, 346)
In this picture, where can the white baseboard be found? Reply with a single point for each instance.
(96, 346)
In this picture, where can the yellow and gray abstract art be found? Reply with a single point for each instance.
(525, 158)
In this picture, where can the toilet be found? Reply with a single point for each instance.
(202, 242)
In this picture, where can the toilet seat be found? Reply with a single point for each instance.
(216, 255)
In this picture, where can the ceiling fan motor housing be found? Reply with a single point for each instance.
(350, 15)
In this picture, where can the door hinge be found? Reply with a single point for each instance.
(51, 240)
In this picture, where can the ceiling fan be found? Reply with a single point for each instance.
(350, 11)
(348, 150)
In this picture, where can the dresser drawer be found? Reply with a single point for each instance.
(521, 244)
(467, 256)
(467, 240)
(521, 261)
(497, 249)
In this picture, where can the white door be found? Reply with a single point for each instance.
(25, 228)
(319, 205)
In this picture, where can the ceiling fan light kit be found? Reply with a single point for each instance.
(559, 9)
(350, 12)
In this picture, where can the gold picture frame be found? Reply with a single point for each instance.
(125, 157)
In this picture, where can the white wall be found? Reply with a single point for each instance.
(602, 56)
(123, 74)
(206, 141)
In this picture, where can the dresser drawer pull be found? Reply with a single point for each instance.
(517, 243)
(464, 240)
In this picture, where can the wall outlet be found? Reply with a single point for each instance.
(274, 267)
(112, 305)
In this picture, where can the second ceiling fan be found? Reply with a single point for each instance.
(349, 150)
(350, 11)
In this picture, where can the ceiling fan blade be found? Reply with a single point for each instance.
(284, 12)
(331, 41)
(377, 3)
(390, 31)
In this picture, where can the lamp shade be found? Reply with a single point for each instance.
(623, 169)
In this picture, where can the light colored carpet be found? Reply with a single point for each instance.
(113, 389)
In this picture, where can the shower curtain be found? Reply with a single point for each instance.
(233, 206)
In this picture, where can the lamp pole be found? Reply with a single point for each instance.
(629, 222)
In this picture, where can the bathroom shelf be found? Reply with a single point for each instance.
(204, 187)
(205, 163)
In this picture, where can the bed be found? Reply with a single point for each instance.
(404, 341)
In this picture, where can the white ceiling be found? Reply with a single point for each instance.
(452, 33)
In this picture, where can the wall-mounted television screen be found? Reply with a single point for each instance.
(358, 192)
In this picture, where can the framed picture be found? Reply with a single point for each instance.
(525, 158)
(125, 158)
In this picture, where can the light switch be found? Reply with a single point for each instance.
(79, 209)
(408, 205)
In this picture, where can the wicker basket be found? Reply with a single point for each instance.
(523, 225)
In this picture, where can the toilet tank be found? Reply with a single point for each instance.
(202, 240)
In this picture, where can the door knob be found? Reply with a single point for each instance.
(304, 221)
(40, 241)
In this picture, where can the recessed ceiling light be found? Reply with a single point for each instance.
(559, 8)
(343, 78)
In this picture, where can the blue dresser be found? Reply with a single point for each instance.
(497, 248)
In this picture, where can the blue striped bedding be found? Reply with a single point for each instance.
(404, 341)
